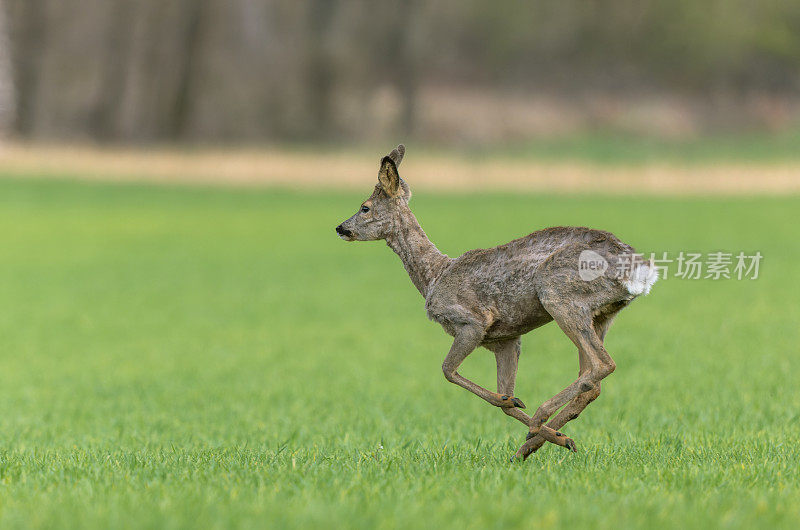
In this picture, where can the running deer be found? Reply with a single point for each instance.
(490, 297)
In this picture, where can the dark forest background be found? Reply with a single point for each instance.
(446, 71)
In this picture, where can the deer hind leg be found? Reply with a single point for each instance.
(578, 324)
(467, 339)
(507, 356)
(573, 409)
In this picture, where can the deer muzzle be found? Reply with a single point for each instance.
(343, 232)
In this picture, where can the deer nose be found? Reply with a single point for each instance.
(342, 231)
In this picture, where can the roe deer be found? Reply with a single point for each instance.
(490, 297)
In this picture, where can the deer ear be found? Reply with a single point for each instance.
(397, 154)
(388, 177)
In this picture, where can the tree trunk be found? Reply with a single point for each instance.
(29, 44)
(403, 63)
(6, 82)
(184, 92)
(104, 121)
(320, 75)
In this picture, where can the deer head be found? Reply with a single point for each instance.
(376, 217)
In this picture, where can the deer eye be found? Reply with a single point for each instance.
(364, 209)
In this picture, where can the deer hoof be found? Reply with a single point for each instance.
(511, 402)
(569, 443)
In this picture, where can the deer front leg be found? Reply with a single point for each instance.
(467, 339)
(507, 356)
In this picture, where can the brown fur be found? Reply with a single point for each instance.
(490, 297)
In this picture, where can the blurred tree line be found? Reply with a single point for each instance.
(233, 70)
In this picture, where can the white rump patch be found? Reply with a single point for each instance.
(642, 278)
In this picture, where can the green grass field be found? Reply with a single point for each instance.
(184, 357)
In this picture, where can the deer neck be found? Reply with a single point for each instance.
(421, 259)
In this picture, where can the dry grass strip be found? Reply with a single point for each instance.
(349, 170)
